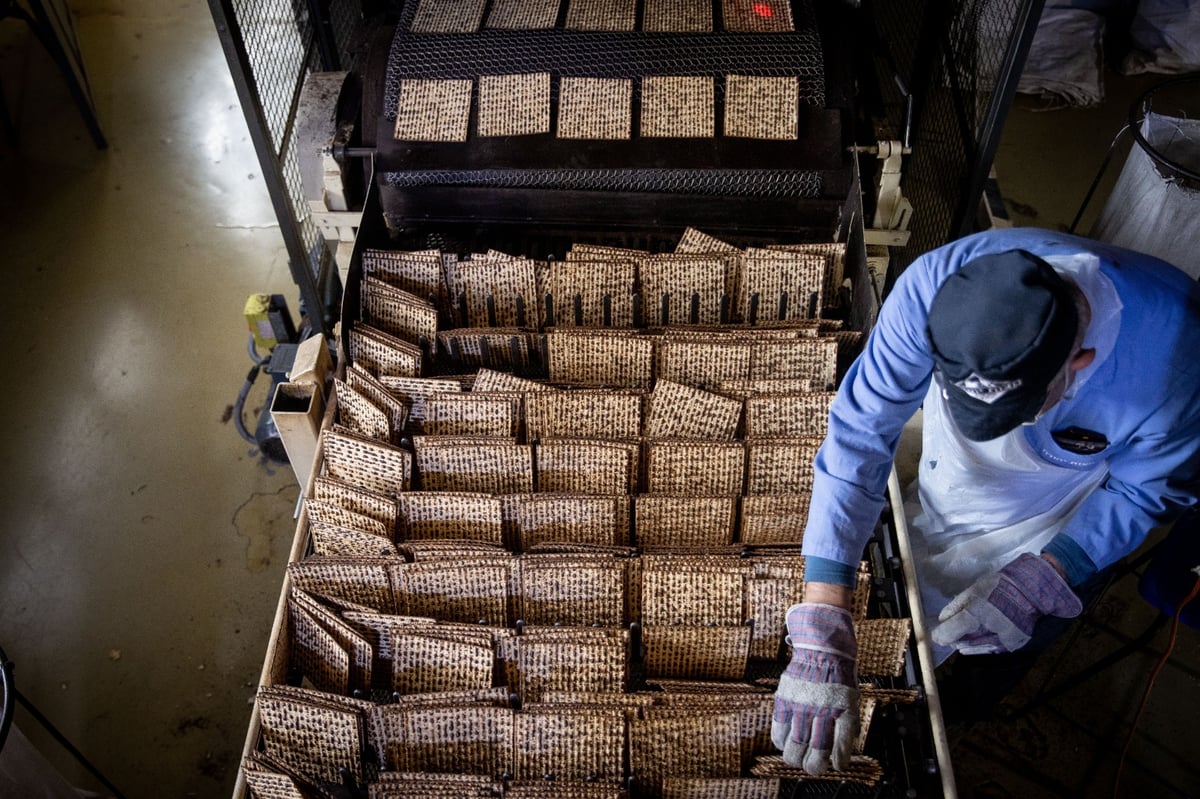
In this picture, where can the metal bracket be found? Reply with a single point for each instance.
(321, 137)
(893, 211)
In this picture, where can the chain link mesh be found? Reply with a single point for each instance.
(280, 42)
(970, 41)
(565, 53)
(574, 53)
(736, 182)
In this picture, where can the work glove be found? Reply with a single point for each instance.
(815, 721)
(998, 612)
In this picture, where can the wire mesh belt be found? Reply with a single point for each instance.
(605, 54)
(760, 182)
(607, 77)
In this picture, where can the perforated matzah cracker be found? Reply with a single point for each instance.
(595, 108)
(761, 108)
(523, 14)
(514, 105)
(601, 15)
(677, 16)
(678, 106)
(448, 16)
(433, 110)
(761, 16)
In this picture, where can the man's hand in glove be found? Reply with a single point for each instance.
(998, 612)
(816, 705)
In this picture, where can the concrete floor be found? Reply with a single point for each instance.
(143, 541)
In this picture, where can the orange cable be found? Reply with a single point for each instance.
(1158, 667)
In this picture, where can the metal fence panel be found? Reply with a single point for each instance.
(960, 59)
(271, 47)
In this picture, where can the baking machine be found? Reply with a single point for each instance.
(530, 128)
(932, 81)
(668, 160)
(635, 160)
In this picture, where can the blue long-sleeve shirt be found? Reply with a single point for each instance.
(1144, 397)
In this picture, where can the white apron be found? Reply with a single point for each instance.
(976, 505)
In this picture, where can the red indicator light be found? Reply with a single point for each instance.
(763, 10)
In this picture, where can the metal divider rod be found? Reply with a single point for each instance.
(66, 744)
(1024, 27)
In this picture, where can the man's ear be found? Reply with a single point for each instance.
(1083, 359)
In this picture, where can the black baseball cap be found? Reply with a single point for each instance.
(1001, 328)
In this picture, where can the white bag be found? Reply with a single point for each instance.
(1152, 213)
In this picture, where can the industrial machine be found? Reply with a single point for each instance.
(530, 128)
(931, 82)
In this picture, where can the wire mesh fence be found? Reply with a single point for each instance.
(960, 61)
(271, 47)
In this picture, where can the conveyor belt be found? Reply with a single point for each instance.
(801, 173)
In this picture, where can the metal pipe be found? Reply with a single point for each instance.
(941, 742)
(1087, 198)
(69, 62)
(6, 698)
(323, 30)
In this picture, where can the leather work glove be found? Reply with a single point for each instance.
(998, 612)
(815, 721)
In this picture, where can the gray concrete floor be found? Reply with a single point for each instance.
(142, 541)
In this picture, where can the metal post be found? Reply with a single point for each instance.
(1024, 27)
(323, 29)
(63, 47)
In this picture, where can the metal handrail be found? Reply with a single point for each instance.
(926, 660)
(1138, 112)
(12, 696)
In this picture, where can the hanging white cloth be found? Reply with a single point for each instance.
(1066, 58)
(1165, 36)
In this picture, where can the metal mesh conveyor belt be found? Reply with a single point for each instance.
(761, 182)
(804, 163)
(606, 55)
